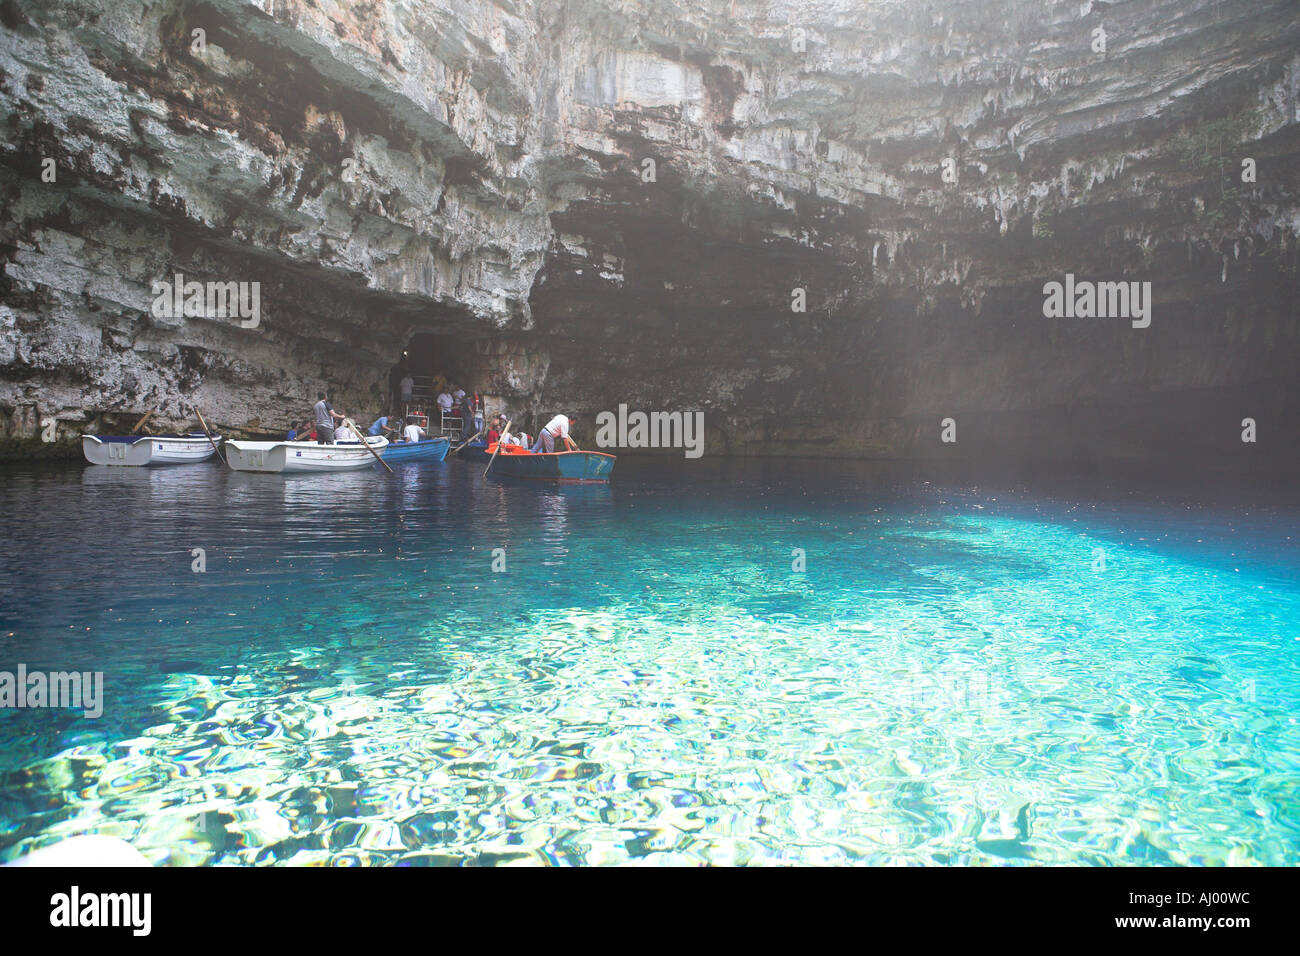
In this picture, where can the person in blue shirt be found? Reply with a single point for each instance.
(380, 426)
(292, 433)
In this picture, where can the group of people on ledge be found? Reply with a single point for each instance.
(451, 400)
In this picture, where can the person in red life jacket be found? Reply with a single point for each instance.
(557, 427)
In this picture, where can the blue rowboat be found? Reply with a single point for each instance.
(555, 466)
(427, 449)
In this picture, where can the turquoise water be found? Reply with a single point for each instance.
(979, 672)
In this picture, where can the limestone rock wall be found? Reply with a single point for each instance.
(620, 200)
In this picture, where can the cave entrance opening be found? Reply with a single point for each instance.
(434, 363)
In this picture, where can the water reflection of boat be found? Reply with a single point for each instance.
(308, 493)
(141, 450)
(294, 456)
(427, 449)
(161, 478)
(515, 461)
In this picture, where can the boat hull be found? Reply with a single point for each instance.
(578, 466)
(475, 451)
(429, 449)
(288, 457)
(140, 451)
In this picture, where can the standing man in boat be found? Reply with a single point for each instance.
(325, 416)
(470, 424)
(557, 427)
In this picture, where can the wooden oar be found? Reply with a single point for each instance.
(498, 451)
(208, 435)
(362, 435)
(143, 420)
(465, 442)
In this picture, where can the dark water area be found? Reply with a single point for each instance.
(722, 661)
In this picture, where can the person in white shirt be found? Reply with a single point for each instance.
(344, 433)
(412, 431)
(407, 385)
(517, 438)
(557, 427)
(445, 401)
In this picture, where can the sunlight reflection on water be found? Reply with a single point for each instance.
(952, 680)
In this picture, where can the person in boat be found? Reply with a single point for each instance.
(380, 426)
(344, 433)
(325, 418)
(292, 433)
(557, 427)
(467, 412)
(494, 431)
(412, 432)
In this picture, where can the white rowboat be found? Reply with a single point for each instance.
(290, 456)
(147, 449)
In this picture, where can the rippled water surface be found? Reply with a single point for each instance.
(966, 671)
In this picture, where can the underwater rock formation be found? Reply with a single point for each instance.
(628, 201)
